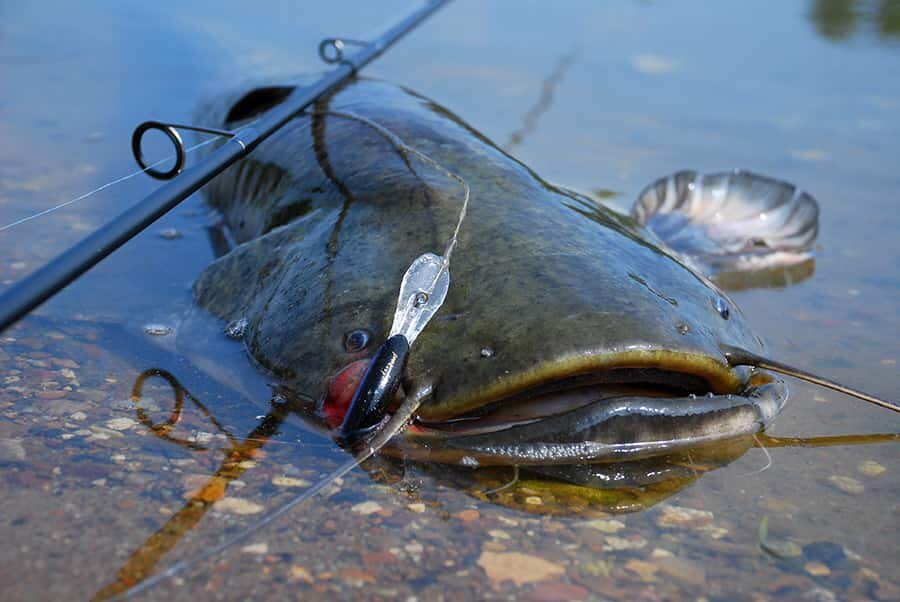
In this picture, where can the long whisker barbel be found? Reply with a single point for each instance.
(742, 357)
(36, 288)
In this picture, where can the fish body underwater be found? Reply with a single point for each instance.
(570, 332)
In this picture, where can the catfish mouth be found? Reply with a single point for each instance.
(570, 393)
(616, 411)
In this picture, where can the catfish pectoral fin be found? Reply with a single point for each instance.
(230, 284)
(731, 222)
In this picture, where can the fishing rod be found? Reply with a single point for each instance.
(38, 287)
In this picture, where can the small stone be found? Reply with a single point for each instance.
(606, 526)
(517, 567)
(236, 505)
(366, 508)
(556, 591)
(300, 574)
(99, 482)
(870, 468)
(467, 515)
(678, 516)
(170, 233)
(256, 548)
(357, 577)
(846, 484)
(78, 416)
(120, 424)
(661, 553)
(499, 534)
(157, 330)
(533, 500)
(681, 569)
(645, 570)
(714, 531)
(616, 543)
(417, 507)
(816, 569)
(414, 548)
(11, 450)
(283, 481)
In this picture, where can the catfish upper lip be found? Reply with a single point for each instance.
(718, 376)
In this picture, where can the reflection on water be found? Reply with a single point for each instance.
(586, 491)
(93, 499)
(841, 19)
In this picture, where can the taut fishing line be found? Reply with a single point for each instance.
(101, 188)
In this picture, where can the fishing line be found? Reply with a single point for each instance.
(768, 464)
(103, 187)
(422, 292)
(402, 147)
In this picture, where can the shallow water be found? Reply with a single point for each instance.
(603, 99)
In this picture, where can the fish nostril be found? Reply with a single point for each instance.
(722, 307)
(356, 340)
(682, 328)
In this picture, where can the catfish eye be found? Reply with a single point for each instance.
(722, 307)
(356, 340)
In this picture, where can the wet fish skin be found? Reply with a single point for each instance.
(330, 215)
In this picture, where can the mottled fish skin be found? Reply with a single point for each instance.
(330, 216)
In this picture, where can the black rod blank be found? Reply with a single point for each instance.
(36, 288)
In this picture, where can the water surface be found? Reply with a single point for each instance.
(602, 99)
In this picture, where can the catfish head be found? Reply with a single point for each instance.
(570, 333)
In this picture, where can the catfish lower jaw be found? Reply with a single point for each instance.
(570, 394)
(625, 413)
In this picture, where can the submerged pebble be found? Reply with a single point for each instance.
(816, 569)
(846, 484)
(606, 526)
(120, 424)
(236, 505)
(157, 330)
(289, 482)
(517, 567)
(870, 468)
(256, 548)
(170, 234)
(366, 508)
(678, 516)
